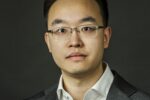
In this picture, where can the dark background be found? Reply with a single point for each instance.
(26, 67)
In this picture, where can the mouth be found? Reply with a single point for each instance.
(76, 56)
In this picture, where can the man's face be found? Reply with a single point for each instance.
(77, 54)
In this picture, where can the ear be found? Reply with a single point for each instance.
(47, 40)
(107, 36)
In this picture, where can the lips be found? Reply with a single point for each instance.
(76, 56)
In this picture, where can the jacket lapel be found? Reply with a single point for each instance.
(51, 93)
(116, 94)
(120, 89)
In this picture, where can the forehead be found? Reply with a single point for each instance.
(73, 11)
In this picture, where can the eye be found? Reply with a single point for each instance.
(88, 29)
(60, 31)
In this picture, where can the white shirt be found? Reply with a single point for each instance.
(98, 91)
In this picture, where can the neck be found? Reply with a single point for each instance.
(77, 85)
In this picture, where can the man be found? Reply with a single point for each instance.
(77, 35)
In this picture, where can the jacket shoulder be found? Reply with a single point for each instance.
(42, 95)
(127, 89)
(140, 95)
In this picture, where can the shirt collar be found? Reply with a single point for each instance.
(101, 87)
(60, 88)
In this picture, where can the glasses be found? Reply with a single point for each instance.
(87, 31)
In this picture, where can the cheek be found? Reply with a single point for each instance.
(57, 50)
(95, 44)
(56, 46)
(95, 48)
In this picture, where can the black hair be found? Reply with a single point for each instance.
(102, 4)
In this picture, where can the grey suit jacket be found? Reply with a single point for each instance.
(120, 90)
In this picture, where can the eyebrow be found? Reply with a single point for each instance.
(58, 21)
(88, 19)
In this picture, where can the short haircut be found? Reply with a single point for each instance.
(102, 5)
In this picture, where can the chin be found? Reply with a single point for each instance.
(76, 72)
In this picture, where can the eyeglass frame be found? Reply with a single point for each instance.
(77, 28)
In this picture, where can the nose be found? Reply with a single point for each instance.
(75, 40)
